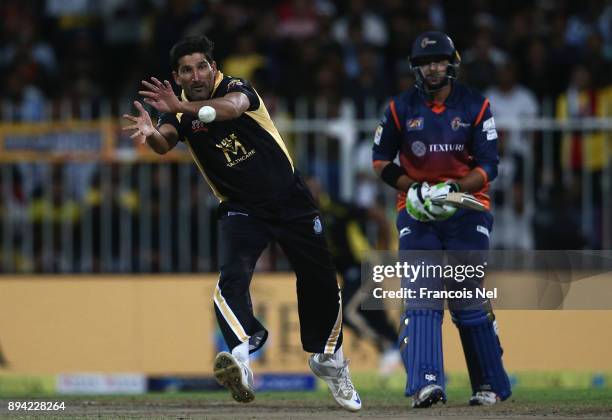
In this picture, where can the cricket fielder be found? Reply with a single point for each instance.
(234, 143)
(446, 139)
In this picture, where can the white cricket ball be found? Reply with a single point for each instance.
(207, 114)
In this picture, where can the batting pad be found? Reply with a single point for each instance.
(483, 352)
(420, 344)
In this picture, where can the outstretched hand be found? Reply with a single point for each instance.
(143, 125)
(160, 96)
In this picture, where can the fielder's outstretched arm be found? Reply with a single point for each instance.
(161, 97)
(161, 140)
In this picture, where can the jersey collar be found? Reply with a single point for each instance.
(451, 100)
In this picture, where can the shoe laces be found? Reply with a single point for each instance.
(345, 386)
(246, 371)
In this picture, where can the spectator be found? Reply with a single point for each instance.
(511, 103)
(481, 61)
(373, 26)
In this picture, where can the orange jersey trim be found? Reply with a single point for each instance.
(379, 164)
(482, 111)
(394, 113)
(436, 108)
(400, 202)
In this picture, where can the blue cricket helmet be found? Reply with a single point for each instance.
(433, 44)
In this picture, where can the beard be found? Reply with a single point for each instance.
(200, 93)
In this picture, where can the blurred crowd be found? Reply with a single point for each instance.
(351, 48)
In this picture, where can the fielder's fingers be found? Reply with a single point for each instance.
(150, 86)
(157, 82)
(167, 84)
(136, 134)
(139, 107)
(147, 94)
(130, 127)
(130, 117)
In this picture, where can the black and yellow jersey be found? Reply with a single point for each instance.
(244, 160)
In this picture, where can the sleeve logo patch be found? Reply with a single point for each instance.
(378, 135)
(415, 124)
(488, 126)
(234, 83)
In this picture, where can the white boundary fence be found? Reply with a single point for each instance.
(130, 214)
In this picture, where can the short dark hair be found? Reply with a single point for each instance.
(191, 45)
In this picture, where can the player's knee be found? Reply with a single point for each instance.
(233, 281)
(472, 317)
(413, 317)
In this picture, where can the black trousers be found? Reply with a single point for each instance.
(244, 233)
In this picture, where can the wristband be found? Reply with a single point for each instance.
(391, 173)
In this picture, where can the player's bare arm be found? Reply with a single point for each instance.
(161, 97)
(161, 140)
(472, 182)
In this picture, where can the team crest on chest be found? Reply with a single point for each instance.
(197, 126)
(456, 124)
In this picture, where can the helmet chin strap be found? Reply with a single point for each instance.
(430, 90)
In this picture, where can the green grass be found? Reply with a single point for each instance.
(372, 389)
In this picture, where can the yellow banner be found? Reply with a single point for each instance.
(166, 325)
(76, 141)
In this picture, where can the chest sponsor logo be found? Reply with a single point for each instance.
(447, 147)
(456, 124)
(197, 126)
(233, 150)
(418, 148)
(414, 124)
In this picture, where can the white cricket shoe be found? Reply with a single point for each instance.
(428, 396)
(338, 380)
(235, 375)
(484, 398)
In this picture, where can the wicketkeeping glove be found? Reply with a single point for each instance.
(422, 201)
(437, 193)
(417, 196)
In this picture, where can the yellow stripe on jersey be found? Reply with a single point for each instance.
(214, 189)
(262, 117)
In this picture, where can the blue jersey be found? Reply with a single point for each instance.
(437, 143)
